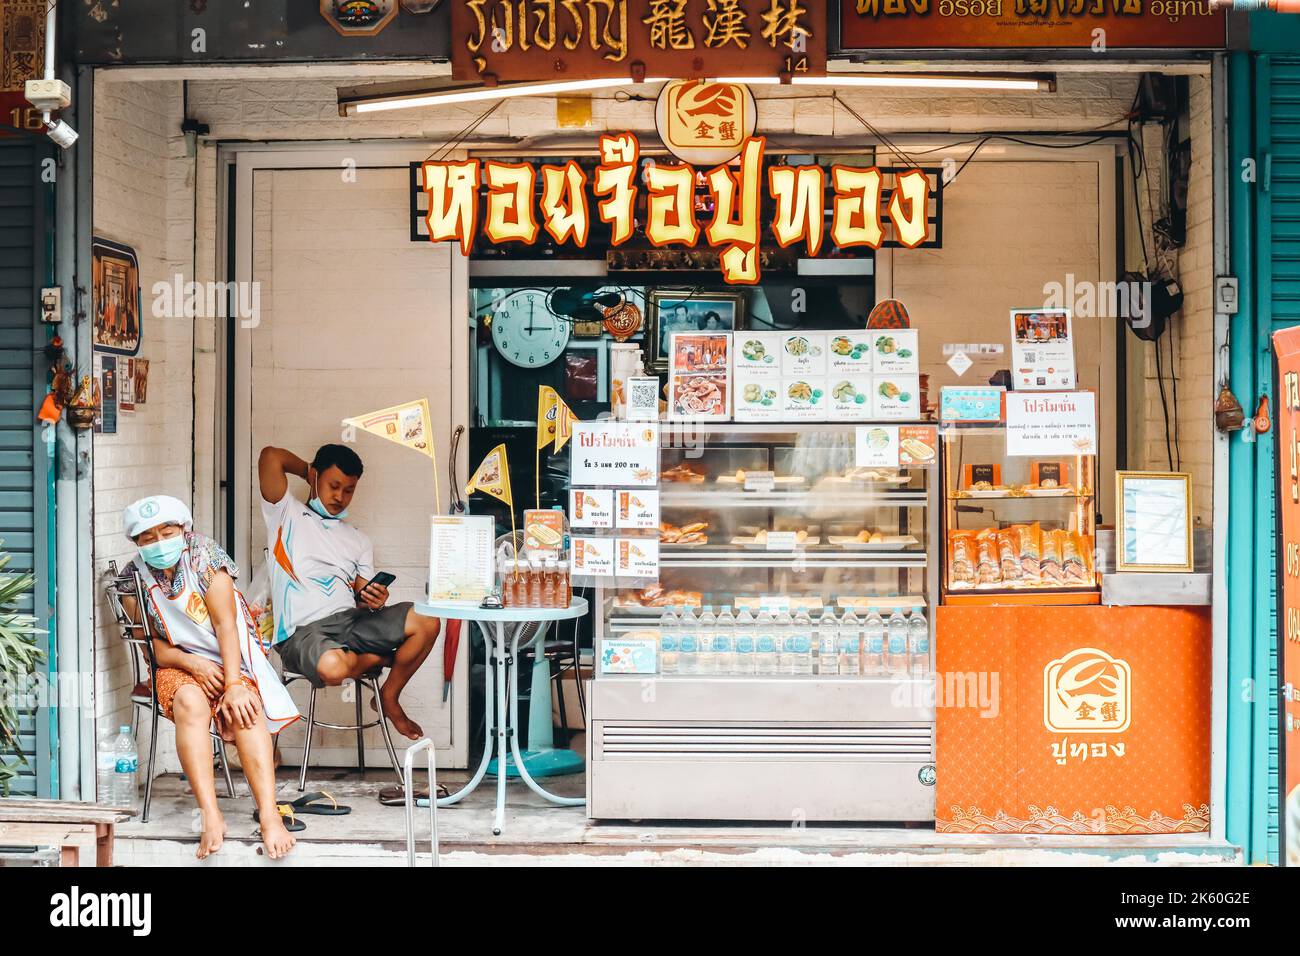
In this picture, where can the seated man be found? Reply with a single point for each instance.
(321, 570)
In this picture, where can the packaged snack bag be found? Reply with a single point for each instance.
(1029, 540)
(1009, 557)
(1078, 562)
(1052, 573)
(987, 573)
(961, 560)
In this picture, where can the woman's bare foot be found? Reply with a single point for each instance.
(403, 724)
(277, 840)
(213, 835)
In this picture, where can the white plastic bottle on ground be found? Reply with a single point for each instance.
(745, 643)
(918, 642)
(724, 642)
(706, 627)
(799, 643)
(873, 645)
(828, 655)
(896, 631)
(688, 643)
(668, 654)
(105, 764)
(849, 644)
(124, 770)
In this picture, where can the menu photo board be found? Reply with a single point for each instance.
(1286, 352)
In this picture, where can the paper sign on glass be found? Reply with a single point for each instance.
(592, 556)
(876, 446)
(638, 557)
(637, 508)
(591, 508)
(614, 453)
(460, 557)
(1042, 349)
(1050, 424)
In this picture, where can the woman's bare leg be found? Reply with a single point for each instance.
(257, 756)
(192, 714)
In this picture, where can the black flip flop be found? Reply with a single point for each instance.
(291, 822)
(396, 796)
(307, 805)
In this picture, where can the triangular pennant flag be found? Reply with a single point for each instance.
(548, 400)
(407, 424)
(493, 477)
(564, 419)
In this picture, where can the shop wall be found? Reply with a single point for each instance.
(143, 196)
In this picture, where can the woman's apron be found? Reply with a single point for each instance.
(186, 625)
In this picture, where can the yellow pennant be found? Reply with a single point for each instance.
(548, 401)
(493, 476)
(564, 419)
(407, 424)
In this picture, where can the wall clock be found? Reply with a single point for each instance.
(525, 331)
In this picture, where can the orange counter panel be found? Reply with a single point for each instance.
(1084, 720)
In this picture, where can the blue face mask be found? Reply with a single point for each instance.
(163, 554)
(315, 504)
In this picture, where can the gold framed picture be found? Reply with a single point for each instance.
(1153, 531)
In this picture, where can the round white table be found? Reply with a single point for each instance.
(492, 623)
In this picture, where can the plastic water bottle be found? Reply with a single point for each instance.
(896, 631)
(706, 627)
(766, 652)
(746, 640)
(918, 642)
(688, 643)
(724, 642)
(668, 647)
(799, 644)
(873, 647)
(849, 644)
(105, 765)
(124, 769)
(828, 655)
(783, 624)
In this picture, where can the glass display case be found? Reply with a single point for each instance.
(1017, 530)
(763, 702)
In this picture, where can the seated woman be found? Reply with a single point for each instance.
(210, 663)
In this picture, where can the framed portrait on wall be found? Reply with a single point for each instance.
(686, 310)
(115, 297)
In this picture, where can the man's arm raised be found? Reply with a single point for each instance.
(274, 466)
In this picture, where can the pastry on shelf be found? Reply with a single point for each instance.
(682, 473)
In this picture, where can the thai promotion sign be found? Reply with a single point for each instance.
(607, 453)
(557, 40)
(1050, 424)
(1095, 25)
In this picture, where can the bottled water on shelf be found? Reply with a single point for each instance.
(127, 758)
(799, 644)
(724, 642)
(706, 626)
(688, 643)
(765, 644)
(828, 655)
(849, 644)
(746, 638)
(668, 647)
(896, 634)
(873, 645)
(783, 624)
(918, 642)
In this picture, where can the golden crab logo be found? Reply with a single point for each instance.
(1087, 691)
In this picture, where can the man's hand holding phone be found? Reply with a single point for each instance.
(374, 593)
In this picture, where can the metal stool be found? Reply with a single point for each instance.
(369, 679)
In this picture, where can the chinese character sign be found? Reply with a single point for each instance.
(868, 205)
(540, 40)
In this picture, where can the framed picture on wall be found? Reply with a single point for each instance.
(1153, 531)
(686, 310)
(115, 297)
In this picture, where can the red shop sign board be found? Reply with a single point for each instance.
(1286, 350)
(558, 40)
(1041, 24)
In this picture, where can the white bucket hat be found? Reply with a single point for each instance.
(150, 512)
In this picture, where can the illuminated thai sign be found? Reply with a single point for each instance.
(502, 202)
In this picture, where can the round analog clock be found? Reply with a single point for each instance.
(525, 332)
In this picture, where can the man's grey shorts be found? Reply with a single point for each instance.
(359, 630)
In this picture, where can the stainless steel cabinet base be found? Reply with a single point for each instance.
(788, 750)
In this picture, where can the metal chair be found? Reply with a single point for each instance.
(370, 680)
(139, 640)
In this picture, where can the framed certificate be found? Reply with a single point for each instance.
(1154, 530)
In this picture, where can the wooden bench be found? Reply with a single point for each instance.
(67, 826)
